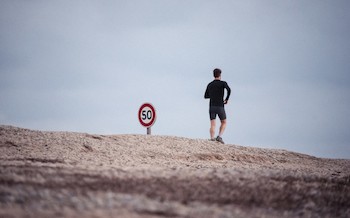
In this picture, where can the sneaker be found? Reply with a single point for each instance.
(219, 139)
(212, 140)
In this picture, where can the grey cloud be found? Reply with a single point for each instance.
(88, 65)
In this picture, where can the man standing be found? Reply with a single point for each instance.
(215, 91)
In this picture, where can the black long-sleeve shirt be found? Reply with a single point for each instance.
(215, 91)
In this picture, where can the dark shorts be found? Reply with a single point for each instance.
(217, 110)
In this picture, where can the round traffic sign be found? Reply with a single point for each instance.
(147, 115)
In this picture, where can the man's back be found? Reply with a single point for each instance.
(215, 91)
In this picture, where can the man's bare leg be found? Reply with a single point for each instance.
(212, 128)
(222, 127)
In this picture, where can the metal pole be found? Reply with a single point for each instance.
(148, 130)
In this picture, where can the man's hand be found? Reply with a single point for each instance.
(226, 101)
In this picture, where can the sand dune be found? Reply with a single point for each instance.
(65, 174)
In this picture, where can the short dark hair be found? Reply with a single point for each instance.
(216, 72)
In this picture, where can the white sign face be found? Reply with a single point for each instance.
(147, 115)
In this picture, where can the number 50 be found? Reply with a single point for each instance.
(146, 114)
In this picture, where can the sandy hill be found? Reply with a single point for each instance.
(65, 174)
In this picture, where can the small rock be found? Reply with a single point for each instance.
(88, 147)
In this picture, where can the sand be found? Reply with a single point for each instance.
(66, 174)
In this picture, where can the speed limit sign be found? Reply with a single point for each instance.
(147, 116)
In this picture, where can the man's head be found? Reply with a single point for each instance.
(217, 73)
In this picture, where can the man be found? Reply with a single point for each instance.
(215, 91)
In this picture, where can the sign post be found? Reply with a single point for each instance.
(147, 116)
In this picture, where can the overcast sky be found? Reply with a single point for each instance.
(87, 66)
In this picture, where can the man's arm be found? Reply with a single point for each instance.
(206, 94)
(228, 92)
